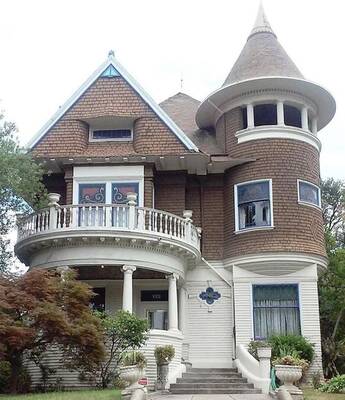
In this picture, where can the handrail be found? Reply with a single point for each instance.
(108, 217)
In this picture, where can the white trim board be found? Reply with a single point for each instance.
(134, 84)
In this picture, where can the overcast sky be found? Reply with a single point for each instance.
(50, 47)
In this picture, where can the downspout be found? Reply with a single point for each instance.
(216, 272)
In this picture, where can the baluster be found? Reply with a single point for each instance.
(150, 220)
(160, 223)
(89, 216)
(179, 228)
(155, 221)
(63, 219)
(166, 223)
(96, 215)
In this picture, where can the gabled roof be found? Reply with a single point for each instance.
(262, 55)
(111, 67)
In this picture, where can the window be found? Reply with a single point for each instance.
(112, 134)
(309, 193)
(253, 205)
(91, 193)
(244, 118)
(275, 310)
(265, 114)
(158, 319)
(292, 116)
(98, 301)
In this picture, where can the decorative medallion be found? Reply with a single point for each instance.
(210, 296)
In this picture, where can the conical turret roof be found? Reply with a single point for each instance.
(262, 55)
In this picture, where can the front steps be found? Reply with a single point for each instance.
(212, 381)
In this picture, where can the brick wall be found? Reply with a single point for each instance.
(170, 191)
(108, 98)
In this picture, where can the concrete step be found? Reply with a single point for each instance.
(215, 391)
(212, 370)
(188, 375)
(211, 379)
(212, 385)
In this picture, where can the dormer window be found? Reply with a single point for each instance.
(265, 114)
(111, 134)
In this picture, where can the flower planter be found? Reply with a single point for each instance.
(131, 375)
(288, 375)
(162, 376)
(264, 352)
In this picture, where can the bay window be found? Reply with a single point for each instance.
(275, 310)
(253, 205)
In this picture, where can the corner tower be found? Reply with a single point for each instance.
(266, 111)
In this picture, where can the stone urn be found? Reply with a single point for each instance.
(162, 376)
(53, 198)
(288, 375)
(131, 375)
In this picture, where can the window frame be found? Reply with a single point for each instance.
(93, 140)
(253, 228)
(307, 203)
(294, 284)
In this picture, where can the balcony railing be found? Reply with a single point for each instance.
(109, 217)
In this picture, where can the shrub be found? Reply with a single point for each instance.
(334, 385)
(5, 373)
(133, 358)
(23, 383)
(295, 345)
(254, 345)
(164, 354)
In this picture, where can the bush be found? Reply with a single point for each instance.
(133, 358)
(5, 373)
(291, 345)
(334, 385)
(24, 380)
(164, 354)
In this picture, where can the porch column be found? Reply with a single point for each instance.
(127, 294)
(182, 292)
(173, 310)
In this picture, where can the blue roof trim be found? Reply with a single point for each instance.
(110, 72)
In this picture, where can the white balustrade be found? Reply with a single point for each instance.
(109, 217)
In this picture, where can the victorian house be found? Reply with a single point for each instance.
(203, 217)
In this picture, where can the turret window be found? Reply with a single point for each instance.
(265, 114)
(292, 116)
(308, 193)
(253, 205)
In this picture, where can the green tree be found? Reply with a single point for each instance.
(121, 332)
(41, 309)
(21, 185)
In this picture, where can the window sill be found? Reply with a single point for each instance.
(258, 228)
(304, 203)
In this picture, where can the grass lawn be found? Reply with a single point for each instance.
(311, 394)
(77, 395)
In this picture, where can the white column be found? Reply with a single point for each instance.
(250, 115)
(304, 116)
(314, 126)
(53, 204)
(173, 310)
(280, 113)
(127, 294)
(182, 310)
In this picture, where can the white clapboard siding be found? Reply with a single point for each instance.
(210, 328)
(243, 312)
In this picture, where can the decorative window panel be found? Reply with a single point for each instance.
(253, 205)
(119, 191)
(309, 193)
(112, 134)
(275, 310)
(154, 295)
(90, 193)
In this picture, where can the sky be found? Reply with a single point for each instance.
(49, 48)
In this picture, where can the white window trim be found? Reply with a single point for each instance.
(307, 203)
(258, 228)
(91, 138)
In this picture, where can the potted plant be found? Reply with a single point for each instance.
(163, 356)
(132, 368)
(260, 349)
(289, 370)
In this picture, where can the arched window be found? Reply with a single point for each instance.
(292, 116)
(265, 114)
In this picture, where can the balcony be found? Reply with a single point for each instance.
(108, 234)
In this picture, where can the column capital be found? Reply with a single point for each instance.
(128, 269)
(173, 277)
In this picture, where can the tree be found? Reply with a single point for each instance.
(41, 309)
(120, 332)
(21, 185)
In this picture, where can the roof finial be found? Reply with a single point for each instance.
(261, 23)
(111, 54)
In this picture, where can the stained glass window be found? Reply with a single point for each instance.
(119, 191)
(309, 193)
(90, 193)
(253, 203)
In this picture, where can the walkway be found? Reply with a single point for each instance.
(167, 396)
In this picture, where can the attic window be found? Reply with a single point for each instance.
(292, 116)
(265, 114)
(111, 134)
